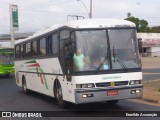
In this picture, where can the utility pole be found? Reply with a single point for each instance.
(14, 26)
(89, 12)
(11, 27)
(90, 16)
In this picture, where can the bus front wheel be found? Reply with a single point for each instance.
(24, 86)
(59, 96)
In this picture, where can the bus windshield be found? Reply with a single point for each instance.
(95, 49)
(124, 48)
(6, 58)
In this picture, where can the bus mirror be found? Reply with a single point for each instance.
(140, 44)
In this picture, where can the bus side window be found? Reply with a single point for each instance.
(55, 43)
(64, 34)
(49, 45)
(17, 52)
(24, 50)
(34, 48)
(42, 46)
(21, 52)
(28, 49)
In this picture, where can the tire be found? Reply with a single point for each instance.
(59, 96)
(112, 102)
(24, 86)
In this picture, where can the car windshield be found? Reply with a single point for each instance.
(6, 58)
(92, 50)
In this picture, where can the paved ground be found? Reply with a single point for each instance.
(13, 99)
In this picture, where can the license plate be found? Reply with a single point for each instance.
(112, 92)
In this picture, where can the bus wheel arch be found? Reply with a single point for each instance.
(58, 94)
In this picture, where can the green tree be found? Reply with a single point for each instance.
(155, 29)
(134, 20)
(141, 25)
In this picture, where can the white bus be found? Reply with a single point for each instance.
(110, 68)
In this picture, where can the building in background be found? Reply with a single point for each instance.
(150, 44)
(5, 39)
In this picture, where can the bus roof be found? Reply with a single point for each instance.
(84, 23)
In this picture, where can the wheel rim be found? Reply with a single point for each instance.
(59, 94)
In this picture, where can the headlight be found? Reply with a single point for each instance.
(89, 85)
(134, 82)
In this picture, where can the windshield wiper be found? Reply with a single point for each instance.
(119, 60)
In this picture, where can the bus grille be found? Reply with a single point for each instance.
(106, 84)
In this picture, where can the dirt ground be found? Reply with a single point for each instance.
(151, 91)
(150, 62)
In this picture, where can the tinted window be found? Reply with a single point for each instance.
(64, 34)
(28, 49)
(49, 44)
(55, 44)
(21, 52)
(43, 46)
(34, 48)
(17, 51)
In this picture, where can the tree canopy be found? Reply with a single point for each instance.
(155, 29)
(141, 25)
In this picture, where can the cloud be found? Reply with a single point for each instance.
(36, 14)
(55, 9)
(5, 21)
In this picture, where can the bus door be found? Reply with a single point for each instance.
(66, 61)
(66, 53)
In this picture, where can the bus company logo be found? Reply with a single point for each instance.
(35, 66)
(6, 114)
(112, 84)
(112, 77)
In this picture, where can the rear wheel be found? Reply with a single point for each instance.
(59, 96)
(24, 86)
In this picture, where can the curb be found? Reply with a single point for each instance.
(153, 101)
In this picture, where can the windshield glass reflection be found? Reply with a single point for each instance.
(91, 50)
(92, 53)
(6, 58)
(124, 51)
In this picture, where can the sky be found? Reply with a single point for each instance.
(37, 14)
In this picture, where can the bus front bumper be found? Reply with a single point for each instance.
(107, 94)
